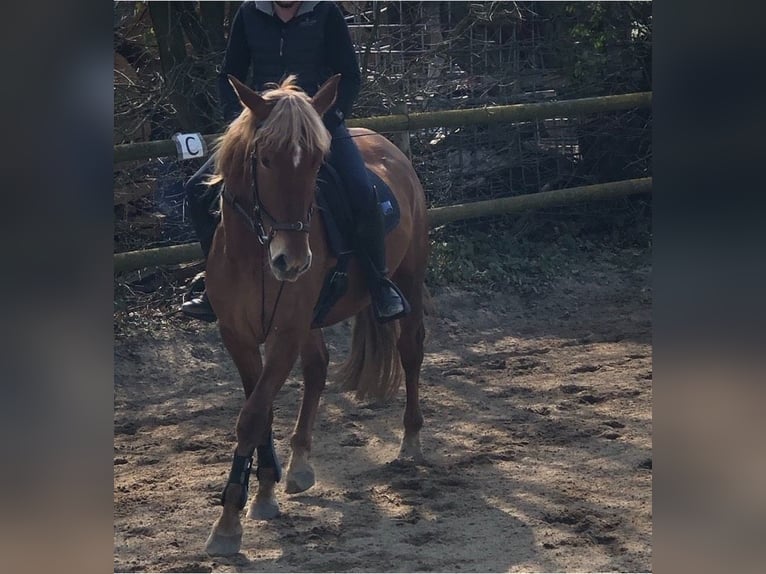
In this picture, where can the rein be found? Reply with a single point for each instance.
(254, 219)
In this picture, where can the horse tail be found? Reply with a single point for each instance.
(373, 368)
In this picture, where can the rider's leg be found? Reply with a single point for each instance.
(200, 198)
(388, 302)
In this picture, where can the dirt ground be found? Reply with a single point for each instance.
(537, 435)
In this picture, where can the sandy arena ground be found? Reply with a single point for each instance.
(537, 435)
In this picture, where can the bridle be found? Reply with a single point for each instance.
(255, 218)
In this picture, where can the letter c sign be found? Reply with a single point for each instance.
(190, 146)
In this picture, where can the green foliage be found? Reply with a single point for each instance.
(600, 47)
(496, 258)
(527, 254)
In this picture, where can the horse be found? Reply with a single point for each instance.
(265, 270)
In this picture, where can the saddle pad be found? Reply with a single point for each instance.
(332, 199)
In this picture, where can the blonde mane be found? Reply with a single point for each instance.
(293, 121)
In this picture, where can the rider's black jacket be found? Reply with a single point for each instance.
(315, 44)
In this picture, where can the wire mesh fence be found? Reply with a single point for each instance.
(426, 56)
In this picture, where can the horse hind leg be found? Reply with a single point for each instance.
(410, 346)
(314, 361)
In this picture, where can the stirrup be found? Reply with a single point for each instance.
(384, 282)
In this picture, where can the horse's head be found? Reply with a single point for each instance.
(288, 142)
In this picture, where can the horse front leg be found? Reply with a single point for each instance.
(268, 472)
(226, 535)
(314, 361)
(254, 430)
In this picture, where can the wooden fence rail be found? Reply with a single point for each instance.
(132, 260)
(447, 118)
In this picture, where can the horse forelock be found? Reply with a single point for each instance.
(293, 125)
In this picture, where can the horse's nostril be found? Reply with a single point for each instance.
(280, 263)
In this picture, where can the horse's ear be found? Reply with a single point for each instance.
(250, 99)
(325, 96)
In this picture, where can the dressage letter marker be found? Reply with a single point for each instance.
(190, 146)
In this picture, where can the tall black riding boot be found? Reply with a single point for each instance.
(199, 307)
(388, 302)
(196, 304)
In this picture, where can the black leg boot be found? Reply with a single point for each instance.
(196, 304)
(199, 308)
(388, 302)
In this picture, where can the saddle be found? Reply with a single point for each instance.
(332, 200)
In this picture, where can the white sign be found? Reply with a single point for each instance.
(190, 146)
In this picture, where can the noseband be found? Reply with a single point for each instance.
(255, 217)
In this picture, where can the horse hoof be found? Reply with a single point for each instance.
(264, 509)
(223, 545)
(299, 481)
(416, 458)
(411, 451)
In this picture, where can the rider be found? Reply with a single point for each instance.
(311, 40)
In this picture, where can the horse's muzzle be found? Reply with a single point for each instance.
(286, 270)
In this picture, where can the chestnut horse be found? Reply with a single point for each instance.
(265, 270)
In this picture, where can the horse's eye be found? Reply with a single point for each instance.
(265, 162)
